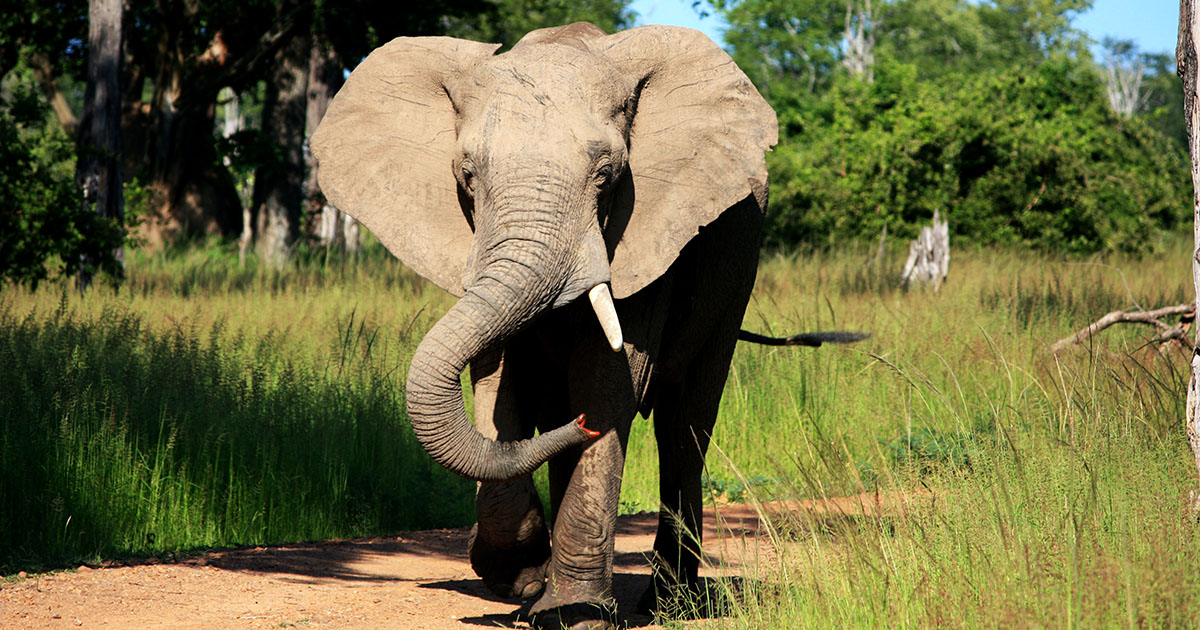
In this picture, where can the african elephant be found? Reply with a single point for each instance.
(629, 167)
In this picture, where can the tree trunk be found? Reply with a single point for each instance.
(325, 78)
(173, 134)
(929, 255)
(98, 169)
(1186, 58)
(279, 187)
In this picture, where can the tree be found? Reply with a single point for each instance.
(787, 47)
(325, 78)
(1164, 98)
(279, 184)
(862, 23)
(98, 167)
(1187, 60)
(1123, 71)
(45, 37)
(791, 48)
(512, 19)
(44, 229)
(1031, 157)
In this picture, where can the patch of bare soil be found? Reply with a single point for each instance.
(418, 580)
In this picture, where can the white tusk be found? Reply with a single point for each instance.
(606, 312)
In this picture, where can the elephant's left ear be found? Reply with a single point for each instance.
(696, 147)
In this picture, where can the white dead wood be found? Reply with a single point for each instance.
(929, 256)
(1185, 313)
(859, 40)
(1123, 85)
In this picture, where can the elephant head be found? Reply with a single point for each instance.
(573, 162)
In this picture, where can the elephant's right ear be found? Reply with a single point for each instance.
(385, 148)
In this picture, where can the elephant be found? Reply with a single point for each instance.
(629, 167)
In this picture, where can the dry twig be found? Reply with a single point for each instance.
(1186, 313)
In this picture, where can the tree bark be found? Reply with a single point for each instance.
(325, 78)
(929, 256)
(98, 169)
(279, 186)
(1186, 57)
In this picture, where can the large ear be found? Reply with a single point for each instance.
(385, 147)
(695, 148)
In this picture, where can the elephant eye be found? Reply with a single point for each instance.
(467, 173)
(604, 174)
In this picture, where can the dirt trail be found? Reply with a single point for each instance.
(418, 580)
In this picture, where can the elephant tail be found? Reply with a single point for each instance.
(804, 339)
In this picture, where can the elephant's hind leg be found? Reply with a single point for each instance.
(684, 414)
(688, 394)
(510, 544)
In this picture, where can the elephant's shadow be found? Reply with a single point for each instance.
(627, 589)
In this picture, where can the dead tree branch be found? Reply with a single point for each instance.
(1185, 312)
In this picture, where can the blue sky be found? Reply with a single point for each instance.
(1151, 24)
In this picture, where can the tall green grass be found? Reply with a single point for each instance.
(209, 403)
(268, 410)
(1042, 490)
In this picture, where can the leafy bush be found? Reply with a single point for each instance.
(1024, 156)
(44, 230)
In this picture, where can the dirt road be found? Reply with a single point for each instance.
(418, 580)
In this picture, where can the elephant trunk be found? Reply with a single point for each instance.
(507, 294)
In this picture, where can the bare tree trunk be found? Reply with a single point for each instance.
(233, 123)
(98, 169)
(325, 78)
(929, 256)
(1187, 55)
(1123, 84)
(859, 38)
(279, 187)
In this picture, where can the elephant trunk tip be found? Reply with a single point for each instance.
(580, 422)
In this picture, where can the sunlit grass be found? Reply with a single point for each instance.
(1051, 491)
(209, 403)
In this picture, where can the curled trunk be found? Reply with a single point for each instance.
(488, 314)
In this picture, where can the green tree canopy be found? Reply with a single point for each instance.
(1027, 156)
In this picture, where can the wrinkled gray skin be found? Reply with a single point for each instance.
(541, 157)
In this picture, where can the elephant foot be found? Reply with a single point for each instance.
(582, 616)
(518, 571)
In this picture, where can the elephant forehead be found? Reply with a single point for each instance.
(553, 76)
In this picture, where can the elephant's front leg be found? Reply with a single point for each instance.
(585, 486)
(509, 544)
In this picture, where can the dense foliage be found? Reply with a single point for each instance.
(1020, 156)
(44, 229)
(994, 113)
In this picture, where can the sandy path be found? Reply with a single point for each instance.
(415, 580)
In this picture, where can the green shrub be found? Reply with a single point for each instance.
(44, 230)
(1026, 156)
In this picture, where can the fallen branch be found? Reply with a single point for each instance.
(1185, 312)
